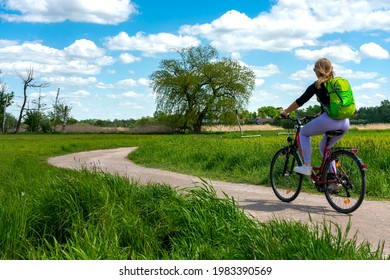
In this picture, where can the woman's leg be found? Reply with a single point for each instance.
(315, 127)
(334, 124)
(338, 124)
(319, 126)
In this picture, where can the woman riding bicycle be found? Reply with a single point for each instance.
(324, 71)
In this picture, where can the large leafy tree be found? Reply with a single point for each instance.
(199, 88)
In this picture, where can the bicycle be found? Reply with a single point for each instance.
(341, 174)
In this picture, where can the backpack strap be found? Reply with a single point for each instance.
(331, 85)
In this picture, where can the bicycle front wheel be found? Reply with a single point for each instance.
(347, 192)
(286, 184)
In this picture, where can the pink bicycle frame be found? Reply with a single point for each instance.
(315, 176)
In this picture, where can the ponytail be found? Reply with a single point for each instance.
(325, 70)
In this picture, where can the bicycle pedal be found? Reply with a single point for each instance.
(320, 188)
(336, 189)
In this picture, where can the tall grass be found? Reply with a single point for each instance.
(84, 216)
(51, 213)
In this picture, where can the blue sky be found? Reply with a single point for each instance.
(100, 53)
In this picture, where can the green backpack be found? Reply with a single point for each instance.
(342, 103)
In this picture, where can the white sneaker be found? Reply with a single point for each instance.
(303, 169)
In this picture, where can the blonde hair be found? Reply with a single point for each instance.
(325, 70)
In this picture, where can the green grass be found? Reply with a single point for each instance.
(52, 213)
(231, 158)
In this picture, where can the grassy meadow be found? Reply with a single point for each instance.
(52, 213)
(230, 157)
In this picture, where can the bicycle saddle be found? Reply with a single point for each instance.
(332, 133)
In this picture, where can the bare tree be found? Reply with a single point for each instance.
(65, 118)
(5, 101)
(53, 127)
(28, 82)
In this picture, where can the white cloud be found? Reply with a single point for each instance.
(70, 81)
(84, 48)
(288, 88)
(111, 71)
(382, 96)
(367, 86)
(382, 80)
(292, 24)
(4, 43)
(92, 11)
(30, 51)
(341, 53)
(81, 58)
(127, 58)
(373, 50)
(80, 93)
(102, 85)
(265, 71)
(259, 82)
(262, 72)
(150, 44)
(263, 98)
(235, 55)
(235, 31)
(128, 94)
(344, 53)
(131, 94)
(353, 74)
(126, 83)
(131, 105)
(143, 82)
(104, 61)
(305, 74)
(308, 74)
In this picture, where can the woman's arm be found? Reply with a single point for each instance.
(289, 109)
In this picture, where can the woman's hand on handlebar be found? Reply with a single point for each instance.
(284, 114)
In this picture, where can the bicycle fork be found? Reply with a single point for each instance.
(286, 170)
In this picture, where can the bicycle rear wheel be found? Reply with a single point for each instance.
(347, 192)
(286, 184)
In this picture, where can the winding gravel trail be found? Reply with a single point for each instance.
(371, 221)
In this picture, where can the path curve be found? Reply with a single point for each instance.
(371, 221)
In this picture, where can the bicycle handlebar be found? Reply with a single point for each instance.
(300, 121)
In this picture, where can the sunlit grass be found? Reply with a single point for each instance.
(83, 216)
(231, 158)
(52, 213)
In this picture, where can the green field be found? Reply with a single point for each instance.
(52, 213)
(232, 158)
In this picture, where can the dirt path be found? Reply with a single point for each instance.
(371, 221)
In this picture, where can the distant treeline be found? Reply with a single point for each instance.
(377, 114)
(364, 115)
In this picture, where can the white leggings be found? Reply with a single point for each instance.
(319, 126)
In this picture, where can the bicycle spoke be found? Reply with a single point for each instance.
(347, 192)
(286, 184)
